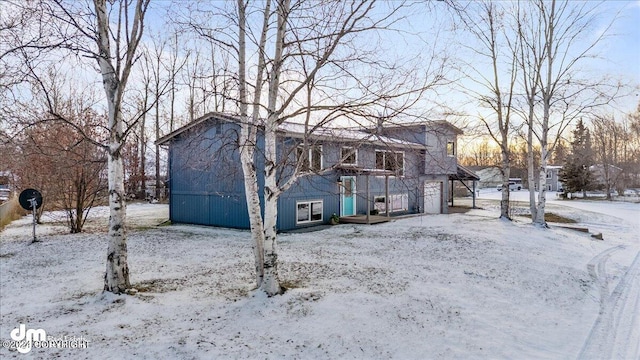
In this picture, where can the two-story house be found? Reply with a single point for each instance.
(553, 178)
(389, 170)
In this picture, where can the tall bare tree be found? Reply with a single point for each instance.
(607, 137)
(311, 69)
(115, 58)
(109, 33)
(495, 45)
(560, 46)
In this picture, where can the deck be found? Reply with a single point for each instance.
(362, 219)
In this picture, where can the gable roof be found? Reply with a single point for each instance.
(343, 134)
(295, 130)
(430, 124)
(196, 123)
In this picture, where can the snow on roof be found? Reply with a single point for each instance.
(391, 124)
(342, 134)
(291, 129)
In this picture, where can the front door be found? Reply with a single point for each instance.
(348, 196)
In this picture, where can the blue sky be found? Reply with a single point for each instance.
(623, 51)
(619, 54)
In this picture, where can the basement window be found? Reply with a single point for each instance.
(308, 211)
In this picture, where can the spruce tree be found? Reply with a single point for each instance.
(575, 173)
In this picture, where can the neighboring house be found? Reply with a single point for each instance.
(399, 169)
(553, 178)
(606, 175)
(490, 176)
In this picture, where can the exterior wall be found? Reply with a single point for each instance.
(207, 188)
(206, 179)
(553, 181)
(490, 177)
(325, 187)
(310, 188)
(436, 159)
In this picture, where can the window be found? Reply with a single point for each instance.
(451, 148)
(348, 187)
(397, 202)
(349, 156)
(308, 211)
(389, 160)
(549, 174)
(311, 160)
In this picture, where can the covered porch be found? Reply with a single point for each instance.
(368, 217)
(464, 174)
(364, 219)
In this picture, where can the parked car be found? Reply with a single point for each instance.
(512, 186)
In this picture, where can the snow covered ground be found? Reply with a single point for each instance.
(431, 287)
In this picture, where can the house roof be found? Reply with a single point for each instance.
(344, 134)
(296, 130)
(196, 123)
(422, 122)
(464, 173)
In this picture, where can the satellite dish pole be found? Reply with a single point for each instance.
(32, 202)
(31, 199)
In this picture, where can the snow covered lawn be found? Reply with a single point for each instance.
(445, 286)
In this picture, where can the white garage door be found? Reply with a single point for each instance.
(432, 197)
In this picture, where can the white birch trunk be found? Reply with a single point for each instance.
(247, 158)
(248, 138)
(542, 193)
(271, 282)
(116, 278)
(506, 173)
(547, 91)
(530, 164)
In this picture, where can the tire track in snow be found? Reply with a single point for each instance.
(596, 268)
(616, 332)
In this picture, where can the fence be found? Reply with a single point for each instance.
(8, 211)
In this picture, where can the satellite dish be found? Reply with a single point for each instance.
(29, 197)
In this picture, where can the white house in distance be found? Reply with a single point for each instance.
(553, 178)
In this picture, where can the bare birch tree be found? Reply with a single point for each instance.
(115, 58)
(298, 60)
(485, 21)
(559, 47)
(108, 33)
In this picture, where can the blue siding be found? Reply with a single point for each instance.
(206, 180)
(315, 187)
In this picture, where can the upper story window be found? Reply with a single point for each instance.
(389, 160)
(349, 155)
(311, 159)
(451, 148)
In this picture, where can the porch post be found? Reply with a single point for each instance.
(474, 194)
(368, 199)
(386, 194)
(451, 193)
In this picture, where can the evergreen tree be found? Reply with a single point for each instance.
(560, 152)
(575, 173)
